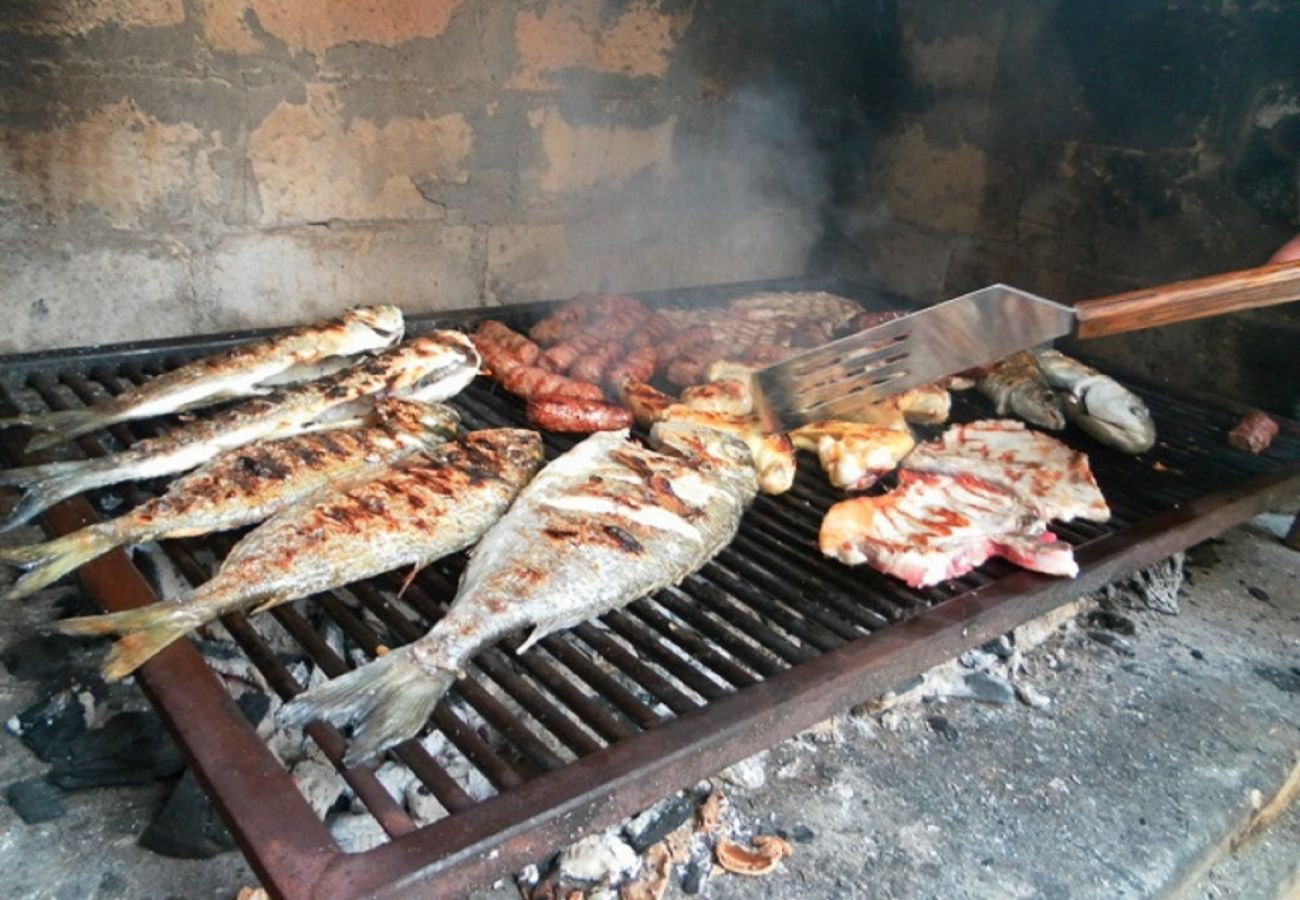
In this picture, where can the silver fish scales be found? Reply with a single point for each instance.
(418, 510)
(247, 370)
(432, 367)
(602, 525)
(243, 486)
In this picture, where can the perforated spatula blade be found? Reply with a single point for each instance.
(840, 379)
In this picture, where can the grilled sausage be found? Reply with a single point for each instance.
(575, 416)
(640, 365)
(502, 348)
(534, 381)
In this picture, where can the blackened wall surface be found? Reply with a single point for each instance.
(1085, 147)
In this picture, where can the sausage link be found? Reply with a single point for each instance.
(575, 416)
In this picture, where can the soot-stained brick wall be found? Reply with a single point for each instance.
(170, 166)
(1084, 147)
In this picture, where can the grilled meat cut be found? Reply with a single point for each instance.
(1254, 432)
(933, 527)
(1048, 477)
(571, 415)
(244, 486)
(1099, 404)
(246, 370)
(418, 510)
(431, 367)
(602, 525)
(1017, 386)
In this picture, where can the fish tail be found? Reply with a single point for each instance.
(64, 425)
(389, 700)
(41, 495)
(50, 561)
(145, 633)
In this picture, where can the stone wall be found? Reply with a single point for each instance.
(171, 166)
(1083, 147)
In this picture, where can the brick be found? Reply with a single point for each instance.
(908, 260)
(583, 156)
(936, 187)
(98, 289)
(315, 26)
(312, 163)
(294, 274)
(635, 39)
(964, 63)
(51, 17)
(118, 162)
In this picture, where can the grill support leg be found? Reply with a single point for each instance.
(1293, 536)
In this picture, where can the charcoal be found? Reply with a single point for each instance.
(941, 726)
(255, 706)
(45, 657)
(35, 801)
(802, 834)
(1112, 621)
(988, 688)
(187, 826)
(657, 822)
(1259, 594)
(75, 603)
(1000, 647)
(1111, 640)
(131, 748)
(1287, 680)
(49, 726)
(697, 872)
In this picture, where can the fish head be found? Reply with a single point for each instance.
(1113, 415)
(428, 423)
(431, 367)
(517, 453)
(371, 328)
(1036, 403)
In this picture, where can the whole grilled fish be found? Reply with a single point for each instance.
(602, 525)
(418, 510)
(243, 371)
(1018, 387)
(243, 486)
(1099, 404)
(431, 367)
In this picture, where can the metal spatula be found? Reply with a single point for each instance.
(840, 379)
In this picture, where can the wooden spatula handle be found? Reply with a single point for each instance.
(1185, 300)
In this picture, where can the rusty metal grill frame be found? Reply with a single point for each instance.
(768, 640)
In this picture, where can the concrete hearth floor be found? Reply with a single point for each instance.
(1142, 777)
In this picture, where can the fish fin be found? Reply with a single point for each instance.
(50, 561)
(28, 475)
(64, 425)
(273, 601)
(389, 700)
(534, 636)
(39, 497)
(145, 633)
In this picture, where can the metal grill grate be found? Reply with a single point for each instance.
(597, 722)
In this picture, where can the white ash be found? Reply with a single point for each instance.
(167, 581)
(749, 774)
(357, 833)
(320, 783)
(601, 859)
(423, 806)
(456, 766)
(395, 778)
(489, 686)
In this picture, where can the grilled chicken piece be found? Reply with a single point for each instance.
(934, 527)
(728, 396)
(604, 524)
(854, 455)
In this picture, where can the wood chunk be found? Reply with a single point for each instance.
(708, 818)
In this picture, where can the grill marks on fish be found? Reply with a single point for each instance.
(239, 372)
(605, 523)
(420, 509)
(432, 367)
